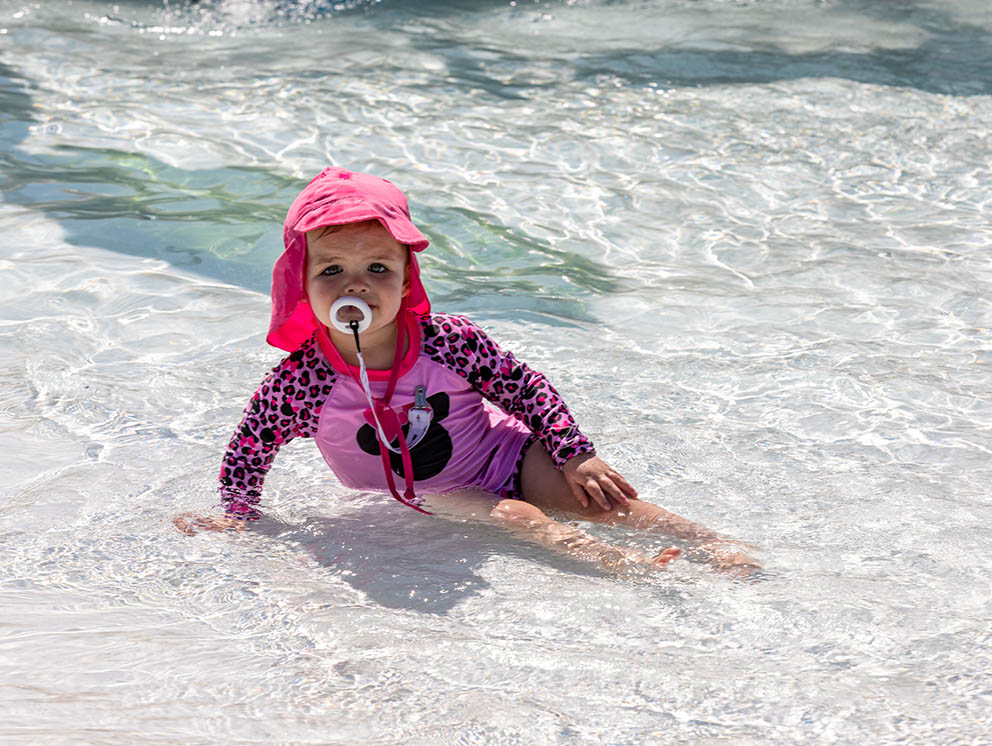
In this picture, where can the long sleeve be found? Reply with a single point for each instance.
(508, 383)
(284, 407)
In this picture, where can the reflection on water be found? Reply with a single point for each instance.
(749, 243)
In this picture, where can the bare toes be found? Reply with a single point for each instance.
(665, 556)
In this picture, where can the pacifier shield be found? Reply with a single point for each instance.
(347, 309)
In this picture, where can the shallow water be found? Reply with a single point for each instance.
(749, 241)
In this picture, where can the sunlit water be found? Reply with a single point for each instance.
(749, 241)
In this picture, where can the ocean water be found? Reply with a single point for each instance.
(748, 241)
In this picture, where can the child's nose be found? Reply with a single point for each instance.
(356, 285)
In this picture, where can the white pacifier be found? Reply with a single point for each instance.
(350, 301)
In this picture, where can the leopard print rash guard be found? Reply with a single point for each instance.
(487, 407)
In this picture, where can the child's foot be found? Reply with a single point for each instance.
(724, 555)
(634, 560)
(665, 556)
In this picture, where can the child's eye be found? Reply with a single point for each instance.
(378, 268)
(332, 270)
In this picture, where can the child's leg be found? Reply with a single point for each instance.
(545, 487)
(528, 521)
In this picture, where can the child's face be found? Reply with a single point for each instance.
(360, 259)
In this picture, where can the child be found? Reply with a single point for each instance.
(393, 393)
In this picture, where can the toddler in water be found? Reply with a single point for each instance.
(421, 405)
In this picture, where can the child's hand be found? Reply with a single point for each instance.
(188, 523)
(591, 478)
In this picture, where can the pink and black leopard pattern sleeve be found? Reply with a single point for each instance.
(285, 406)
(461, 345)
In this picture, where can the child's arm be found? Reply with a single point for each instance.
(249, 456)
(514, 387)
(529, 396)
(282, 408)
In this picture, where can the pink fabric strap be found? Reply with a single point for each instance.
(387, 417)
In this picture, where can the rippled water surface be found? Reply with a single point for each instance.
(749, 241)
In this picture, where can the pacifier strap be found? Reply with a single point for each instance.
(409, 498)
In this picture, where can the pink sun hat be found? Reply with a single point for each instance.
(336, 197)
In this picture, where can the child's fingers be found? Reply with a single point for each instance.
(183, 525)
(189, 523)
(224, 524)
(586, 488)
(595, 489)
(579, 493)
(625, 486)
(609, 485)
